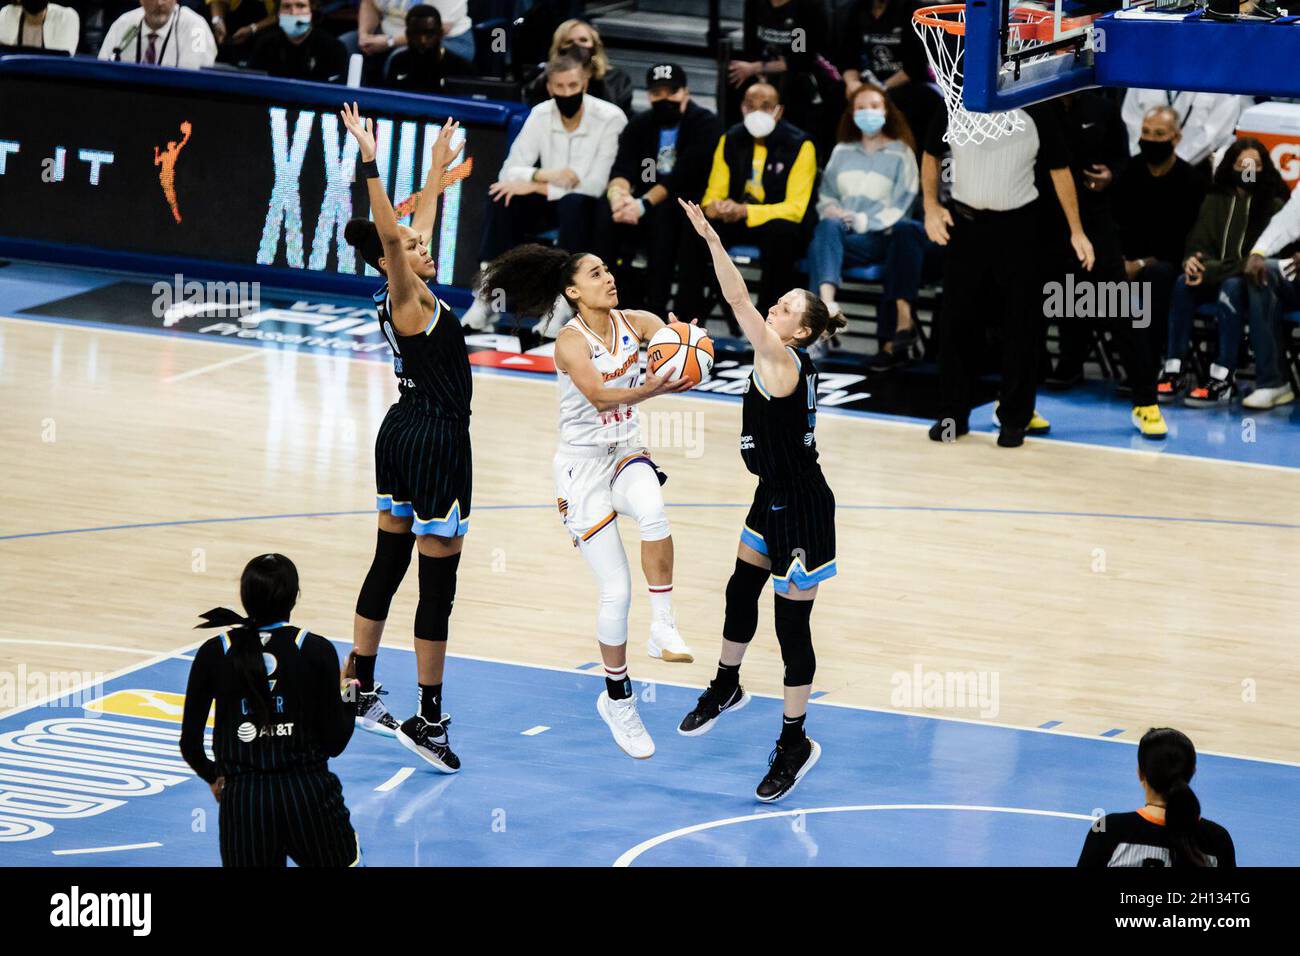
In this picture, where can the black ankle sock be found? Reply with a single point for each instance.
(792, 731)
(431, 703)
(366, 670)
(620, 689)
(728, 677)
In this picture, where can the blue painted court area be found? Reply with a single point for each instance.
(543, 784)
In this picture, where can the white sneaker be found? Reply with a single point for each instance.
(625, 724)
(666, 643)
(551, 324)
(477, 317)
(1269, 397)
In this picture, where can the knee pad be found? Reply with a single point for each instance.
(437, 594)
(794, 633)
(743, 591)
(637, 494)
(392, 558)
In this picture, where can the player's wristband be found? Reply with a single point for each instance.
(640, 204)
(369, 169)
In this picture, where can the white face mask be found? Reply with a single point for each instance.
(760, 124)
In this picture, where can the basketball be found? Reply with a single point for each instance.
(679, 350)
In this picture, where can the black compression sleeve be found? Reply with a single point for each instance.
(198, 701)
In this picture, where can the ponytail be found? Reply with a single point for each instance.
(818, 320)
(362, 235)
(1167, 761)
(531, 277)
(268, 589)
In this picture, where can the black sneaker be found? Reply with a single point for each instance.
(429, 742)
(948, 429)
(709, 708)
(1214, 392)
(787, 766)
(373, 716)
(1170, 386)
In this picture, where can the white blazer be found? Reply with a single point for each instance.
(62, 27)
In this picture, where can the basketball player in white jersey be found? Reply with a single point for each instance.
(602, 469)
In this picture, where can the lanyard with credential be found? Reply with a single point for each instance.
(167, 39)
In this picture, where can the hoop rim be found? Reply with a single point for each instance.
(933, 17)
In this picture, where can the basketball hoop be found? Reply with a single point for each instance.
(942, 30)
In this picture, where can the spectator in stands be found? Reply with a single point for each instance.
(993, 238)
(759, 190)
(1207, 120)
(783, 42)
(381, 29)
(423, 65)
(1098, 149)
(1273, 286)
(160, 33)
(39, 23)
(1247, 191)
(236, 23)
(579, 40)
(663, 153)
(295, 49)
(881, 46)
(558, 167)
(1156, 200)
(867, 191)
(1169, 830)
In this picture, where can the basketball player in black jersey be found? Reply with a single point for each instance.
(422, 450)
(279, 719)
(789, 532)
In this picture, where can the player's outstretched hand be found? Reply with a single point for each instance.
(672, 317)
(443, 151)
(702, 225)
(362, 130)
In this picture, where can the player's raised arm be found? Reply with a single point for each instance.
(426, 203)
(767, 344)
(573, 357)
(406, 290)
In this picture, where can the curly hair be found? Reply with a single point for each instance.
(530, 276)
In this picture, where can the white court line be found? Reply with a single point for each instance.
(823, 702)
(89, 647)
(630, 855)
(534, 731)
(158, 658)
(866, 417)
(203, 370)
(395, 781)
(106, 849)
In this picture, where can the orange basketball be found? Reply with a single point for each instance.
(679, 351)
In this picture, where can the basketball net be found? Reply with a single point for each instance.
(942, 30)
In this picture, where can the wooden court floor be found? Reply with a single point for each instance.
(1104, 590)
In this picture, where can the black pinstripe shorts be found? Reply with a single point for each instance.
(299, 814)
(424, 470)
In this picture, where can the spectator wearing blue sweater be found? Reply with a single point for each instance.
(866, 194)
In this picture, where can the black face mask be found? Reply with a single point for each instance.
(568, 105)
(35, 7)
(666, 112)
(580, 53)
(1156, 151)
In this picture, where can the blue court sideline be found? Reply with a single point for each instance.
(890, 789)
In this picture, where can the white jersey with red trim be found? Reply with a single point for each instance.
(617, 359)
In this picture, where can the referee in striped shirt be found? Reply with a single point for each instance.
(279, 718)
(992, 230)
